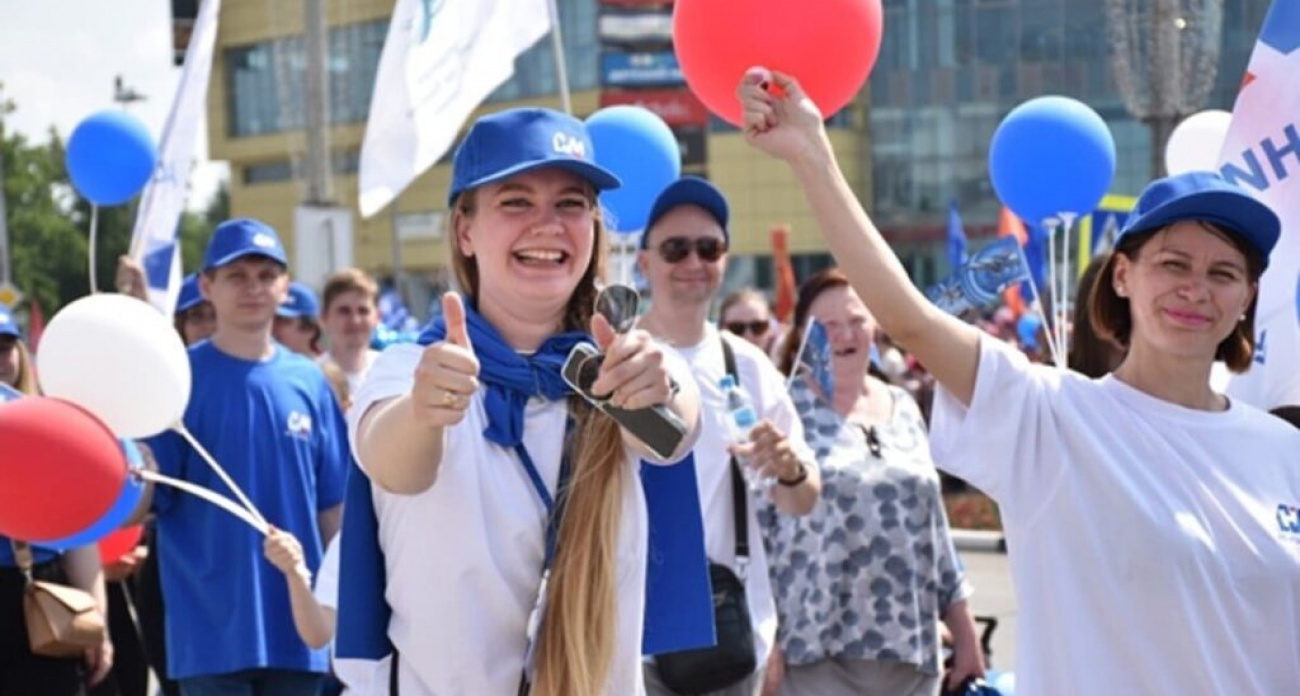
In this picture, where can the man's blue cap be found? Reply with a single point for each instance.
(515, 141)
(1209, 197)
(235, 239)
(300, 302)
(190, 296)
(8, 327)
(689, 190)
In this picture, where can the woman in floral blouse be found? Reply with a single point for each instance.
(863, 582)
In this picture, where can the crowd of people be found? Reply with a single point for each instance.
(508, 513)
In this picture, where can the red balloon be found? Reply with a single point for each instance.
(119, 543)
(829, 46)
(61, 468)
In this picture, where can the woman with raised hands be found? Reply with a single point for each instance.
(1153, 525)
(474, 439)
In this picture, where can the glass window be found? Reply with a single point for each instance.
(535, 68)
(995, 33)
(266, 81)
(269, 172)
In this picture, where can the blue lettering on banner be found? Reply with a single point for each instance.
(1259, 347)
(1254, 175)
(1288, 518)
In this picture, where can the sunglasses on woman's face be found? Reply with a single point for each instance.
(674, 249)
(758, 328)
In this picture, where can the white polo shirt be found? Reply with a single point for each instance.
(766, 388)
(464, 558)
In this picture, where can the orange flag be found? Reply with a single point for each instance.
(783, 268)
(1010, 225)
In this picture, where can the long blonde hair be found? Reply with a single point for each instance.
(26, 382)
(576, 640)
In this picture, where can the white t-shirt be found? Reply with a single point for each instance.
(464, 558)
(1154, 548)
(355, 379)
(766, 387)
(353, 672)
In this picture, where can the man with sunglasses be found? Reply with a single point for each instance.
(683, 259)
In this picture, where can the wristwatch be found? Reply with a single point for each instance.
(798, 479)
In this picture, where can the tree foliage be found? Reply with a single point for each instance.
(49, 224)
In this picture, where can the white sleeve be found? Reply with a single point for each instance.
(327, 578)
(391, 376)
(1006, 442)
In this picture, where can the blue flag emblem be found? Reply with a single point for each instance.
(981, 280)
(816, 356)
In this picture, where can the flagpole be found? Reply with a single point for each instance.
(561, 70)
(798, 354)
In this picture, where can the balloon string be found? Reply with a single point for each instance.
(1067, 224)
(94, 235)
(1053, 317)
(218, 500)
(239, 493)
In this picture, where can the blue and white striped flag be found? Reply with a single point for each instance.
(155, 242)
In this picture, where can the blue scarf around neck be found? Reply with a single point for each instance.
(510, 379)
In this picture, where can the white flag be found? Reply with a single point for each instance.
(1262, 154)
(441, 59)
(155, 242)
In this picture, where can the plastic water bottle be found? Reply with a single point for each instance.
(741, 420)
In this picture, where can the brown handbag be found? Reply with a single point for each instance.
(62, 621)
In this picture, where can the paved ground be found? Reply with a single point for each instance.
(994, 596)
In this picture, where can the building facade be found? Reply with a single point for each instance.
(950, 71)
(915, 140)
(616, 51)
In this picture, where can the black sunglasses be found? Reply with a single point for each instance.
(739, 328)
(674, 249)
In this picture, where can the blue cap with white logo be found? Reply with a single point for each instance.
(8, 327)
(300, 302)
(689, 190)
(515, 141)
(1209, 197)
(235, 239)
(190, 296)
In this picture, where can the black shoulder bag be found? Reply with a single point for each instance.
(732, 659)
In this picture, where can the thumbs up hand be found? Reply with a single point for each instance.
(447, 376)
(633, 372)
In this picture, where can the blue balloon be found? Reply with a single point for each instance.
(641, 150)
(110, 157)
(121, 511)
(1052, 155)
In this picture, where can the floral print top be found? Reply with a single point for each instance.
(870, 571)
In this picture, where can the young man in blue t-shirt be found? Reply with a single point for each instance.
(267, 415)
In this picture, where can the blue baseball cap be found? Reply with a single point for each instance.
(8, 327)
(689, 190)
(1209, 197)
(515, 141)
(190, 296)
(235, 239)
(300, 302)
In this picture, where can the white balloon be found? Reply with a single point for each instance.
(120, 359)
(1195, 143)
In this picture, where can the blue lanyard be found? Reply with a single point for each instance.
(554, 512)
(554, 508)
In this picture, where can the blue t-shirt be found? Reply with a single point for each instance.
(276, 428)
(39, 554)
